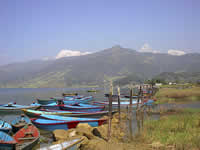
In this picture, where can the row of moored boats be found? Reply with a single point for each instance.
(50, 114)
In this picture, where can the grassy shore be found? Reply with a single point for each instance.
(175, 95)
(179, 131)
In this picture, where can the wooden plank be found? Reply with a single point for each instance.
(27, 138)
(28, 132)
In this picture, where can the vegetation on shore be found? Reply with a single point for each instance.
(175, 95)
(178, 131)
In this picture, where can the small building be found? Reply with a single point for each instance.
(158, 84)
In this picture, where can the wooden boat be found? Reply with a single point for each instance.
(73, 97)
(49, 106)
(37, 113)
(92, 90)
(6, 142)
(67, 145)
(14, 107)
(81, 107)
(149, 102)
(69, 94)
(45, 101)
(57, 98)
(5, 126)
(20, 122)
(73, 100)
(57, 105)
(67, 123)
(115, 104)
(27, 137)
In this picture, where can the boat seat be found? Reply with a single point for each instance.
(28, 133)
(27, 138)
(22, 121)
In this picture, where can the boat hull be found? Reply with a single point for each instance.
(69, 101)
(67, 145)
(56, 107)
(36, 114)
(19, 123)
(82, 107)
(52, 125)
(7, 146)
(46, 102)
(6, 142)
(27, 137)
(5, 127)
(16, 109)
(30, 146)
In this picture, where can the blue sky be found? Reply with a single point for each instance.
(31, 29)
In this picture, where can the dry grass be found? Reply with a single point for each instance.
(180, 131)
(178, 95)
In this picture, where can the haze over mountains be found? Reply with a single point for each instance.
(93, 69)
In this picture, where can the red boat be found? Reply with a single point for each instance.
(27, 137)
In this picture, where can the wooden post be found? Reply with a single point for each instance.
(118, 91)
(110, 111)
(131, 102)
(139, 94)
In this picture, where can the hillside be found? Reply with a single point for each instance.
(93, 69)
(179, 77)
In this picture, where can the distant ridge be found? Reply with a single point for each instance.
(93, 69)
(179, 77)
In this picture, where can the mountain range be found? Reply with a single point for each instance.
(93, 69)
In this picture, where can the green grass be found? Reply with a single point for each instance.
(182, 131)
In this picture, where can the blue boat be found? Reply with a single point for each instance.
(64, 118)
(75, 99)
(71, 97)
(82, 107)
(66, 123)
(10, 107)
(37, 113)
(5, 127)
(46, 101)
(6, 142)
(149, 102)
(20, 122)
(67, 145)
(53, 105)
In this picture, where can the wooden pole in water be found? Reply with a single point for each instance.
(110, 111)
(139, 94)
(118, 91)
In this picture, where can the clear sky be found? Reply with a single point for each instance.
(32, 29)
